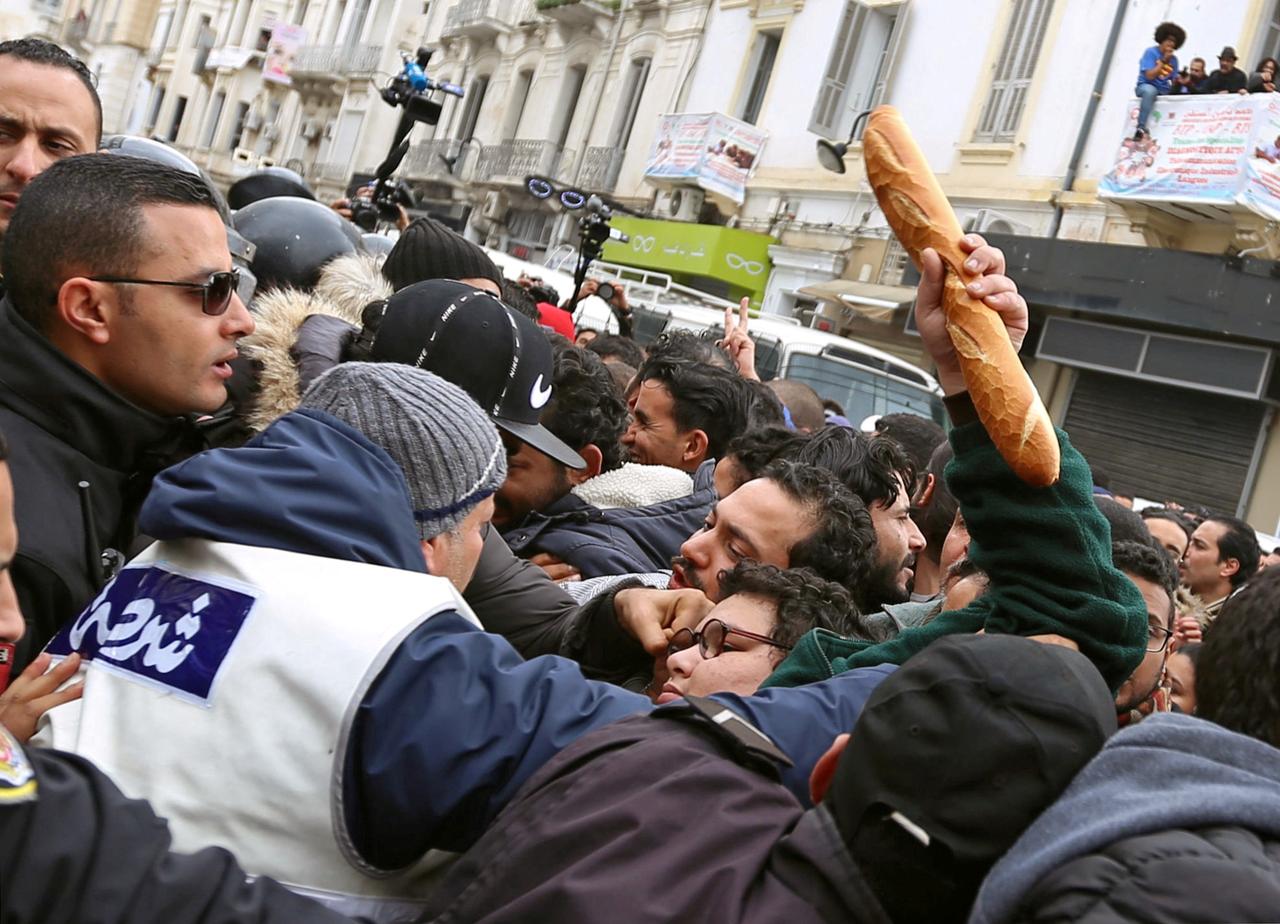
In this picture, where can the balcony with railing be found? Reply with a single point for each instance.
(441, 159)
(577, 12)
(336, 62)
(512, 161)
(600, 168)
(484, 19)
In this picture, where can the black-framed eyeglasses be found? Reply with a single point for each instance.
(215, 293)
(1158, 637)
(711, 639)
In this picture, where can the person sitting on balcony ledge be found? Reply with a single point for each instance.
(1156, 71)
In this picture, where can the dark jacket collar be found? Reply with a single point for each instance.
(38, 382)
(814, 863)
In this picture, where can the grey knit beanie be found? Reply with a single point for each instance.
(446, 446)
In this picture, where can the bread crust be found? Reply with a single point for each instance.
(920, 215)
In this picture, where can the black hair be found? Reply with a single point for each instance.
(804, 600)
(756, 450)
(1263, 63)
(705, 397)
(1149, 562)
(586, 406)
(919, 436)
(1164, 513)
(624, 348)
(842, 547)
(1240, 661)
(868, 466)
(935, 520)
(681, 343)
(56, 230)
(834, 406)
(802, 401)
(541, 292)
(1192, 651)
(4, 447)
(516, 297)
(1171, 30)
(1240, 542)
(1126, 526)
(764, 410)
(38, 51)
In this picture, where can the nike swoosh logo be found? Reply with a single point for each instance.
(540, 394)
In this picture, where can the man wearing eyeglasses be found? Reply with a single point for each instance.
(763, 612)
(119, 325)
(1153, 573)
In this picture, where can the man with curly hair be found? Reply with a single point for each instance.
(763, 612)
(1157, 71)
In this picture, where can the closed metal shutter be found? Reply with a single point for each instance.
(1166, 443)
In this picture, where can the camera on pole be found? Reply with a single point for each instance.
(410, 90)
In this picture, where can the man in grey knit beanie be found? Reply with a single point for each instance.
(450, 453)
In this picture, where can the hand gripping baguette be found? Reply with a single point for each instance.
(921, 216)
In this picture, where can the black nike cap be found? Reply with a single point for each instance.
(496, 355)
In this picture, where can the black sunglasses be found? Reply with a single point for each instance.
(215, 294)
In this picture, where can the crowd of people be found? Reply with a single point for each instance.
(337, 585)
(1159, 74)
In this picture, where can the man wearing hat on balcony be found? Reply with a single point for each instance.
(1227, 78)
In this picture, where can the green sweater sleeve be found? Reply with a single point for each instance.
(1047, 552)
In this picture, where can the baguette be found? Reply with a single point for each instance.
(920, 215)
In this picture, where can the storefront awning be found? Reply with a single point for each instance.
(866, 299)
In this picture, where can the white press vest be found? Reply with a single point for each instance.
(221, 685)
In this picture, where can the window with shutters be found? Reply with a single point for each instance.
(862, 57)
(1011, 81)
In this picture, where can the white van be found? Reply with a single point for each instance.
(863, 380)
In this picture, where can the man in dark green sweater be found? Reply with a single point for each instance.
(1047, 551)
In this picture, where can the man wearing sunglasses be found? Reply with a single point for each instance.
(119, 326)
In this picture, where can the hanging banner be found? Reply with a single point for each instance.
(286, 41)
(709, 150)
(1221, 150)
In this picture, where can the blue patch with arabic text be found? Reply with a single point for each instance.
(168, 629)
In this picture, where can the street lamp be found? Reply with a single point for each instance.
(831, 154)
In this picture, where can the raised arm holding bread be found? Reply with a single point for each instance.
(923, 220)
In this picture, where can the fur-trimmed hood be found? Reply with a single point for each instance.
(346, 286)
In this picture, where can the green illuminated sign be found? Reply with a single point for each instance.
(739, 258)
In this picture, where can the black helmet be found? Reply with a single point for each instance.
(161, 153)
(149, 149)
(377, 244)
(294, 238)
(267, 183)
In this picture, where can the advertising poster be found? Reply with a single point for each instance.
(712, 150)
(1195, 152)
(677, 147)
(1261, 190)
(732, 150)
(286, 40)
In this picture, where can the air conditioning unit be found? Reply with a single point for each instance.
(495, 206)
(311, 129)
(683, 203)
(253, 121)
(990, 221)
